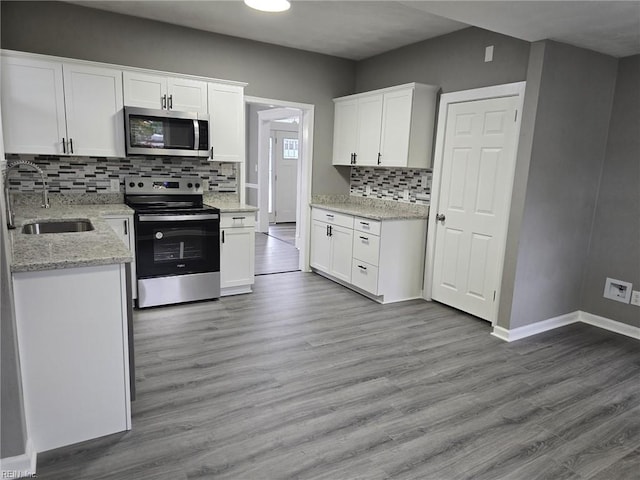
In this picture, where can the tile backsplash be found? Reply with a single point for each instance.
(402, 185)
(94, 174)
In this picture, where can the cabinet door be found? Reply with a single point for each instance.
(237, 256)
(320, 256)
(345, 131)
(369, 124)
(145, 90)
(341, 252)
(226, 122)
(396, 126)
(187, 95)
(32, 106)
(93, 103)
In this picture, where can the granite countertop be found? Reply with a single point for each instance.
(231, 207)
(372, 208)
(100, 246)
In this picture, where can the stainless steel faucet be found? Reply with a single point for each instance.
(11, 215)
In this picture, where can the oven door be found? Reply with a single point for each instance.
(177, 244)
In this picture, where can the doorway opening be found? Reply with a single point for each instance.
(278, 182)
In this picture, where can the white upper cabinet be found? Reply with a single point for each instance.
(391, 127)
(148, 90)
(93, 100)
(226, 123)
(32, 106)
(369, 124)
(345, 131)
(56, 109)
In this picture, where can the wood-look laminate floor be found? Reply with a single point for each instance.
(304, 379)
(276, 251)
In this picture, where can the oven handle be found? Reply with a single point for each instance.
(176, 218)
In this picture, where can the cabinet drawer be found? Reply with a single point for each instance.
(366, 247)
(231, 220)
(367, 225)
(332, 218)
(365, 276)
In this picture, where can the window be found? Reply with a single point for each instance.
(290, 148)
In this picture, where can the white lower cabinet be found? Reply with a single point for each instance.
(237, 252)
(73, 343)
(123, 226)
(332, 243)
(384, 259)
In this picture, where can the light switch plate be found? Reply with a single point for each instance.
(635, 298)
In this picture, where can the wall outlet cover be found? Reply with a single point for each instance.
(635, 298)
(115, 185)
(617, 290)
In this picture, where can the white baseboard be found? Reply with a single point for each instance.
(20, 466)
(535, 328)
(611, 325)
(563, 320)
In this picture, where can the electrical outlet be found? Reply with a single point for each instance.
(488, 54)
(367, 189)
(205, 185)
(405, 195)
(635, 298)
(115, 185)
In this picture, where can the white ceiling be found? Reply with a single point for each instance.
(360, 29)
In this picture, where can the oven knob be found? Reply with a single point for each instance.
(159, 235)
(189, 185)
(140, 184)
(132, 184)
(197, 185)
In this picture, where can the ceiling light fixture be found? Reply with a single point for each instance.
(269, 5)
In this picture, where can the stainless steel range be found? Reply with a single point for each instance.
(177, 240)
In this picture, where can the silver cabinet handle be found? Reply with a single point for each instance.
(238, 218)
(64, 145)
(366, 224)
(362, 267)
(126, 232)
(366, 239)
(170, 102)
(71, 145)
(379, 155)
(164, 101)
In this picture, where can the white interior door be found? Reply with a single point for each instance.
(285, 175)
(475, 187)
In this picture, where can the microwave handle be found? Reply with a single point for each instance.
(196, 134)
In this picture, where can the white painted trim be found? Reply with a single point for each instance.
(535, 328)
(564, 320)
(20, 466)
(497, 91)
(305, 134)
(611, 325)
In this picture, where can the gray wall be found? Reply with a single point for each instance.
(280, 73)
(454, 62)
(567, 154)
(615, 241)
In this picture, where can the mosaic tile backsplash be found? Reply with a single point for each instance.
(94, 174)
(402, 185)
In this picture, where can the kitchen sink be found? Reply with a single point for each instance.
(57, 226)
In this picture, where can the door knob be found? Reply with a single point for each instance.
(440, 217)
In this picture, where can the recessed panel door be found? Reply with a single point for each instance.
(479, 153)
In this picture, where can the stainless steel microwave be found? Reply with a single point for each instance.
(165, 132)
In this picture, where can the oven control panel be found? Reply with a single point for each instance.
(163, 185)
